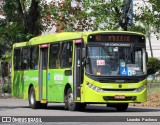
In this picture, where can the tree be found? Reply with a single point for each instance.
(84, 15)
(69, 15)
(23, 20)
(148, 18)
(155, 10)
(111, 14)
(153, 65)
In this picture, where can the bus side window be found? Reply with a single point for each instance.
(17, 59)
(25, 58)
(66, 54)
(54, 56)
(34, 52)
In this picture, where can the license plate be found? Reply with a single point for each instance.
(119, 97)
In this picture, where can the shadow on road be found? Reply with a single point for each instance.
(101, 109)
(89, 108)
(12, 107)
(55, 107)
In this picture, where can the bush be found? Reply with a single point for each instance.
(6, 88)
(153, 65)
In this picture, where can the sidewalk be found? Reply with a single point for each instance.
(5, 95)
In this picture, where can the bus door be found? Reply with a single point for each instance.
(43, 71)
(78, 70)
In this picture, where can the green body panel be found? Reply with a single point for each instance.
(56, 84)
(21, 82)
(18, 86)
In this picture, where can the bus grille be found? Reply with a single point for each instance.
(118, 90)
(128, 98)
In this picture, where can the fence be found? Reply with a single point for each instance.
(153, 91)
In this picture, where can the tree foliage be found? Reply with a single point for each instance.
(108, 15)
(70, 15)
(84, 15)
(149, 16)
(155, 10)
(153, 65)
(23, 20)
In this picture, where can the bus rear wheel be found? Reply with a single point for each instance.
(71, 105)
(32, 99)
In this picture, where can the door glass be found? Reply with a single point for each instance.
(44, 58)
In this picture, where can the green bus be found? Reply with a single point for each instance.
(80, 68)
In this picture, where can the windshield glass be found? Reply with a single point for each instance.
(115, 61)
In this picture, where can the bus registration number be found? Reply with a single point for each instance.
(119, 97)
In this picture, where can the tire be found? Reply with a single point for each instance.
(72, 106)
(122, 107)
(66, 102)
(32, 99)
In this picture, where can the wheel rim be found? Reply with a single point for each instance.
(32, 98)
(70, 99)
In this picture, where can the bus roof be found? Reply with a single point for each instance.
(65, 36)
(50, 38)
(125, 32)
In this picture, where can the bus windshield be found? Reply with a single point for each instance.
(115, 61)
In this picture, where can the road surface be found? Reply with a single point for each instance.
(18, 108)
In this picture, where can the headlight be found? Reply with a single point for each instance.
(140, 88)
(94, 87)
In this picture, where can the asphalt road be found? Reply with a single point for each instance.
(20, 108)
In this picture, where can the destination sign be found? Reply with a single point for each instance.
(112, 38)
(115, 38)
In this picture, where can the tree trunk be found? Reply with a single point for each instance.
(149, 39)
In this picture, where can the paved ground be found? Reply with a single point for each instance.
(20, 108)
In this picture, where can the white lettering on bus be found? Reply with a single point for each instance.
(58, 77)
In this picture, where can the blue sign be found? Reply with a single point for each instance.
(123, 71)
(48, 76)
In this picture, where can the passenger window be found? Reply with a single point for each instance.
(44, 57)
(17, 59)
(25, 58)
(66, 55)
(54, 56)
(34, 57)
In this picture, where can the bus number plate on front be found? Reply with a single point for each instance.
(119, 97)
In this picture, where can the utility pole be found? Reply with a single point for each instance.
(128, 13)
(149, 39)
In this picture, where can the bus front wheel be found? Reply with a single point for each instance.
(73, 106)
(32, 99)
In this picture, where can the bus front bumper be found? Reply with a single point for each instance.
(92, 96)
